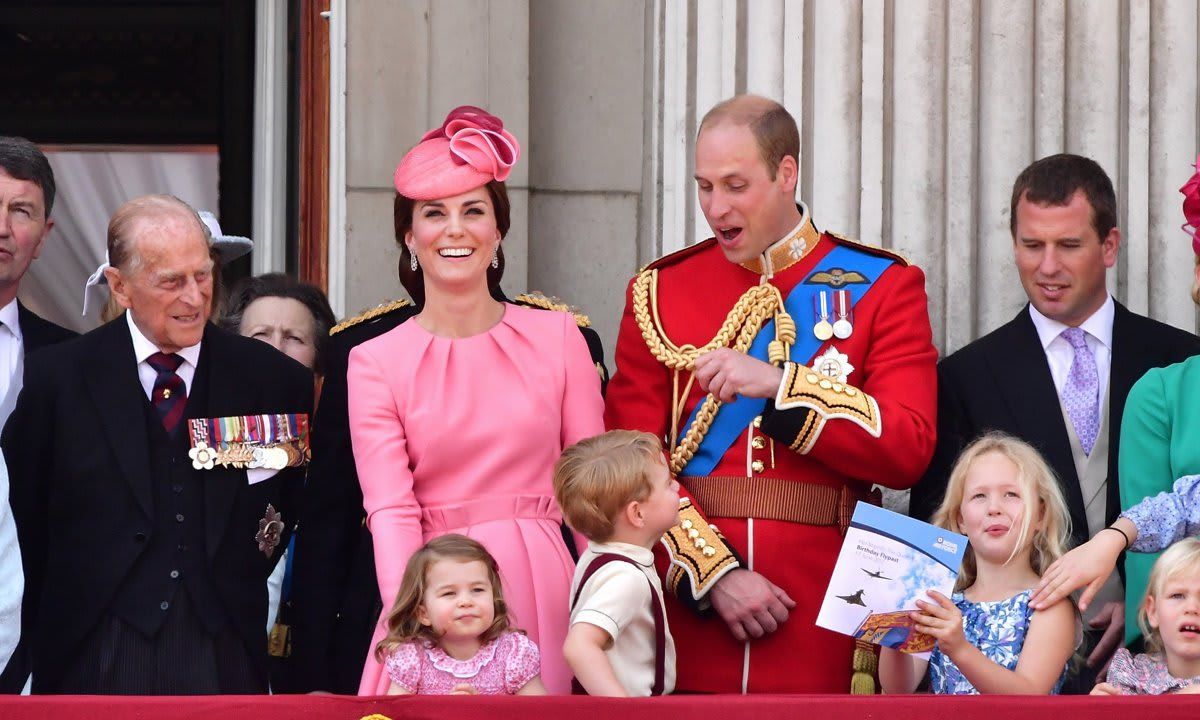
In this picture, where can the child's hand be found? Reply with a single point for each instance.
(941, 619)
(1089, 564)
(1106, 689)
(464, 689)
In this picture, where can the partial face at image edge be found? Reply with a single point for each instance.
(23, 228)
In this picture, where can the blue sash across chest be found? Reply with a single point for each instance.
(733, 418)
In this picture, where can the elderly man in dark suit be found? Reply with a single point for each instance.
(1058, 373)
(146, 563)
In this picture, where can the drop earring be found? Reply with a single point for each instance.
(496, 257)
(413, 262)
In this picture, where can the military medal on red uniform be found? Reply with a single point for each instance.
(823, 330)
(843, 327)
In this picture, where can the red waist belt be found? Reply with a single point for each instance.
(776, 499)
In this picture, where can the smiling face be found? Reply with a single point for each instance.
(746, 209)
(23, 228)
(454, 239)
(167, 285)
(459, 602)
(993, 508)
(283, 323)
(1174, 611)
(1061, 259)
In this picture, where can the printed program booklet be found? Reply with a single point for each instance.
(888, 562)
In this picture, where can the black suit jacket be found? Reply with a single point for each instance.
(1002, 382)
(38, 332)
(81, 488)
(336, 594)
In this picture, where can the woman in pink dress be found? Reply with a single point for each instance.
(458, 414)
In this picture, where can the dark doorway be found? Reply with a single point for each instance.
(135, 72)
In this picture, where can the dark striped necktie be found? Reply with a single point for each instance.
(169, 395)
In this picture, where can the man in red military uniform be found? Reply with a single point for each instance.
(790, 370)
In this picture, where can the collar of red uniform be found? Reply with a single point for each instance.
(790, 250)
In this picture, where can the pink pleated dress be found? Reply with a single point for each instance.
(461, 435)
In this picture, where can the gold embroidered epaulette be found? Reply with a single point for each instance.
(538, 300)
(873, 249)
(697, 551)
(377, 311)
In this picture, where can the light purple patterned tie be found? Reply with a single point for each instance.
(1081, 392)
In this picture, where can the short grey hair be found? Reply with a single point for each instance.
(120, 227)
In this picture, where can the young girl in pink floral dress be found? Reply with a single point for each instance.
(448, 632)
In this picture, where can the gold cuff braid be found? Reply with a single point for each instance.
(754, 308)
(697, 550)
(803, 387)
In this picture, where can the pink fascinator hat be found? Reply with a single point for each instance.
(1191, 207)
(469, 150)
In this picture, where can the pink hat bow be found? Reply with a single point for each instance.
(1191, 207)
(470, 149)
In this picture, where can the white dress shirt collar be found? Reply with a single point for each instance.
(637, 553)
(143, 348)
(11, 319)
(1099, 325)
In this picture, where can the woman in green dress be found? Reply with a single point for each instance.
(1160, 430)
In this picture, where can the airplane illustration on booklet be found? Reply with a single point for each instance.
(855, 599)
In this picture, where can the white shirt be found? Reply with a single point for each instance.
(143, 348)
(616, 599)
(1060, 354)
(12, 354)
(12, 578)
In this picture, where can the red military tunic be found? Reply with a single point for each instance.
(875, 426)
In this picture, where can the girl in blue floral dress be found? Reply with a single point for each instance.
(1004, 498)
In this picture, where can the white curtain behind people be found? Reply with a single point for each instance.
(92, 184)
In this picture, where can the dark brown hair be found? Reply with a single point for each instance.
(773, 127)
(401, 622)
(285, 286)
(22, 160)
(414, 280)
(1053, 180)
